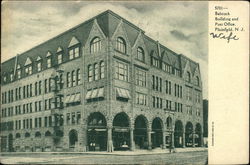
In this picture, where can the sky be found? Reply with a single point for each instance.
(180, 26)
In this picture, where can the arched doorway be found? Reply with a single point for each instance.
(73, 138)
(156, 133)
(178, 134)
(121, 135)
(10, 139)
(140, 132)
(97, 132)
(198, 135)
(189, 134)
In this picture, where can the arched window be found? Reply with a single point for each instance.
(37, 134)
(140, 54)
(95, 45)
(96, 71)
(27, 134)
(121, 45)
(73, 77)
(78, 74)
(48, 133)
(197, 81)
(188, 77)
(90, 73)
(18, 135)
(101, 69)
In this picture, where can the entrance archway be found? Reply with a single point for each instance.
(121, 135)
(156, 133)
(73, 138)
(140, 132)
(198, 135)
(178, 134)
(97, 132)
(189, 134)
(10, 139)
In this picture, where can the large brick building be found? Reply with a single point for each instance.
(101, 86)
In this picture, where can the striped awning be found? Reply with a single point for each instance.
(123, 93)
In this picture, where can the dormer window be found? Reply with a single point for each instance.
(11, 77)
(73, 48)
(188, 77)
(39, 63)
(197, 81)
(59, 55)
(140, 54)
(28, 70)
(48, 62)
(73, 53)
(95, 45)
(18, 71)
(39, 66)
(121, 45)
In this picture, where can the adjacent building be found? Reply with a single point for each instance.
(103, 85)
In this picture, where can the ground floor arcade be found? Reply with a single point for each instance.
(120, 134)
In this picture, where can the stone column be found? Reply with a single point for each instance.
(201, 138)
(183, 140)
(149, 138)
(193, 139)
(164, 139)
(172, 139)
(110, 141)
(132, 142)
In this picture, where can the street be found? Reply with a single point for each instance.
(196, 157)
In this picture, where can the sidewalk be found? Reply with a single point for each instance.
(125, 153)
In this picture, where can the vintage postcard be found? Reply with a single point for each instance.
(124, 82)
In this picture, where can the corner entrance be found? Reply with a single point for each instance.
(97, 132)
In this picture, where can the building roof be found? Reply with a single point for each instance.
(108, 21)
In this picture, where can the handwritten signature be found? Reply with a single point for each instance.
(229, 37)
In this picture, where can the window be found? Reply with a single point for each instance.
(19, 73)
(140, 77)
(141, 99)
(140, 54)
(198, 97)
(121, 71)
(189, 93)
(95, 45)
(188, 77)
(155, 62)
(189, 110)
(74, 53)
(153, 98)
(90, 73)
(40, 88)
(101, 69)
(121, 45)
(48, 62)
(73, 117)
(96, 71)
(78, 117)
(28, 69)
(39, 66)
(78, 74)
(11, 77)
(59, 58)
(73, 76)
(68, 80)
(197, 81)
(46, 86)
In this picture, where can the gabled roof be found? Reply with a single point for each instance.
(73, 41)
(28, 61)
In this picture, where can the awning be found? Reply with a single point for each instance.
(77, 97)
(118, 92)
(88, 95)
(71, 99)
(94, 94)
(101, 92)
(67, 99)
(124, 93)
